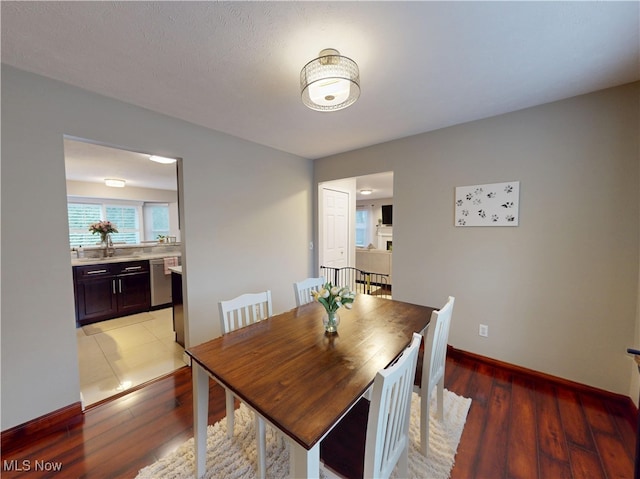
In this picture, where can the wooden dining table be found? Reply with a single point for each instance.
(299, 379)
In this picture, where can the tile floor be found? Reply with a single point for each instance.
(120, 353)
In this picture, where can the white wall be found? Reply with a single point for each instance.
(558, 292)
(246, 227)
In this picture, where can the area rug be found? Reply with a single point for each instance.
(235, 458)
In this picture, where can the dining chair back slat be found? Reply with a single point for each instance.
(304, 288)
(244, 310)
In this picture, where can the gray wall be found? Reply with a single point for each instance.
(246, 227)
(558, 292)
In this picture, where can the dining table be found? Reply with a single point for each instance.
(298, 378)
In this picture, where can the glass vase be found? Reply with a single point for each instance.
(104, 244)
(331, 320)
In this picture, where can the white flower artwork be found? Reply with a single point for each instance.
(495, 204)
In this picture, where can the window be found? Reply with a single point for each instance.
(126, 220)
(82, 214)
(362, 226)
(156, 220)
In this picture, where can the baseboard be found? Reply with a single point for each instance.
(50, 423)
(625, 402)
(60, 420)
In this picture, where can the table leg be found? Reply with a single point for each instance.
(200, 380)
(304, 463)
(230, 402)
(261, 447)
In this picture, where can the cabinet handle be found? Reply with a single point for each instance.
(97, 271)
(119, 286)
(133, 268)
(113, 286)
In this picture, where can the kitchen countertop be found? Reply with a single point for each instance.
(123, 258)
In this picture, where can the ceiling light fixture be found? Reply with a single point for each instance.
(331, 82)
(162, 159)
(114, 182)
(366, 192)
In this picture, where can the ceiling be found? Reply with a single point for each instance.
(380, 184)
(234, 66)
(94, 163)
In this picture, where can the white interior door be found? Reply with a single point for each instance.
(336, 228)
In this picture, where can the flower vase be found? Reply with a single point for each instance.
(331, 320)
(104, 244)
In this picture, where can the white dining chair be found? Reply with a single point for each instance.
(432, 363)
(303, 289)
(237, 313)
(244, 310)
(376, 432)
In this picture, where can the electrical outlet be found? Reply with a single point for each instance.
(483, 331)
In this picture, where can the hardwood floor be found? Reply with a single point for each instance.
(523, 426)
(519, 426)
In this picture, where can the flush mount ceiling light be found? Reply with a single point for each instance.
(162, 159)
(366, 192)
(114, 182)
(331, 82)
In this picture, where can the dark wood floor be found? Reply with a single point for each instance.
(525, 426)
(519, 426)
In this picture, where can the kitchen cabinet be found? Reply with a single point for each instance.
(178, 310)
(105, 291)
(94, 294)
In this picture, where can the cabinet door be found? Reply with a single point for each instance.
(134, 293)
(178, 312)
(95, 300)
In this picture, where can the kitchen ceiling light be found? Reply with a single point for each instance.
(162, 159)
(114, 182)
(331, 82)
(366, 192)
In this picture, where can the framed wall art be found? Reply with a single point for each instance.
(495, 204)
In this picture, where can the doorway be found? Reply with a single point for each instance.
(124, 351)
(346, 237)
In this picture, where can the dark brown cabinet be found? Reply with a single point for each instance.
(110, 290)
(178, 312)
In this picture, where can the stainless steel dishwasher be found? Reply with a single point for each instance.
(160, 283)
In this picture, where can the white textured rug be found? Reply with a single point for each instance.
(236, 458)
